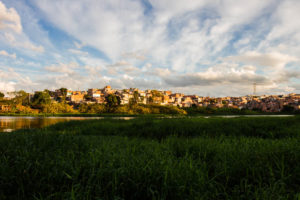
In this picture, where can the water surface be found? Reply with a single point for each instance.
(11, 123)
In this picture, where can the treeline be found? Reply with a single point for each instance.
(194, 110)
(220, 111)
(41, 102)
(130, 109)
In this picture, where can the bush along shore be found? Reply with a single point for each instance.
(147, 158)
(136, 110)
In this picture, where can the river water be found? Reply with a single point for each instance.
(11, 123)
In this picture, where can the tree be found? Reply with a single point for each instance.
(150, 99)
(1, 95)
(87, 97)
(57, 108)
(40, 98)
(288, 108)
(156, 93)
(135, 99)
(136, 96)
(21, 98)
(112, 101)
(64, 92)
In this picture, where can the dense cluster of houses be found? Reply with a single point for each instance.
(145, 97)
(266, 103)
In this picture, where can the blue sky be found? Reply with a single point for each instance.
(199, 47)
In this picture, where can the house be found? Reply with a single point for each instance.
(107, 90)
(77, 96)
(167, 93)
(177, 95)
(187, 101)
(157, 100)
(125, 98)
(95, 93)
(5, 108)
(99, 99)
(165, 99)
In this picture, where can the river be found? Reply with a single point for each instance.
(11, 123)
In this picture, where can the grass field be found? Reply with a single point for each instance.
(147, 158)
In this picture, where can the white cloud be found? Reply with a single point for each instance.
(139, 55)
(4, 53)
(287, 25)
(9, 19)
(73, 82)
(187, 44)
(78, 52)
(217, 75)
(275, 60)
(109, 19)
(79, 45)
(284, 29)
(30, 46)
(12, 80)
(94, 72)
(11, 30)
(174, 33)
(7, 86)
(91, 61)
(120, 64)
(63, 68)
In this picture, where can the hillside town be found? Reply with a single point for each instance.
(264, 103)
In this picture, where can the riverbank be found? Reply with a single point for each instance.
(147, 158)
(139, 115)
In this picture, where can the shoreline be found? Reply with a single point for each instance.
(140, 115)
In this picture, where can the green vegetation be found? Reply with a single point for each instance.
(112, 102)
(220, 111)
(40, 99)
(54, 108)
(151, 158)
(130, 109)
(194, 110)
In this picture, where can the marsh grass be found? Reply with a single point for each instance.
(148, 127)
(242, 158)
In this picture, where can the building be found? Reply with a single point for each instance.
(77, 96)
(5, 108)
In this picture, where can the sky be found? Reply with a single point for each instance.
(203, 47)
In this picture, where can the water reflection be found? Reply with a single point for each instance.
(9, 124)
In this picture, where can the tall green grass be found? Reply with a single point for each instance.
(154, 159)
(263, 127)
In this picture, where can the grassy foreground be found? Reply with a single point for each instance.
(146, 158)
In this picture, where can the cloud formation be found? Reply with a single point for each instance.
(11, 30)
(273, 59)
(9, 19)
(218, 75)
(62, 68)
(196, 46)
(4, 53)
